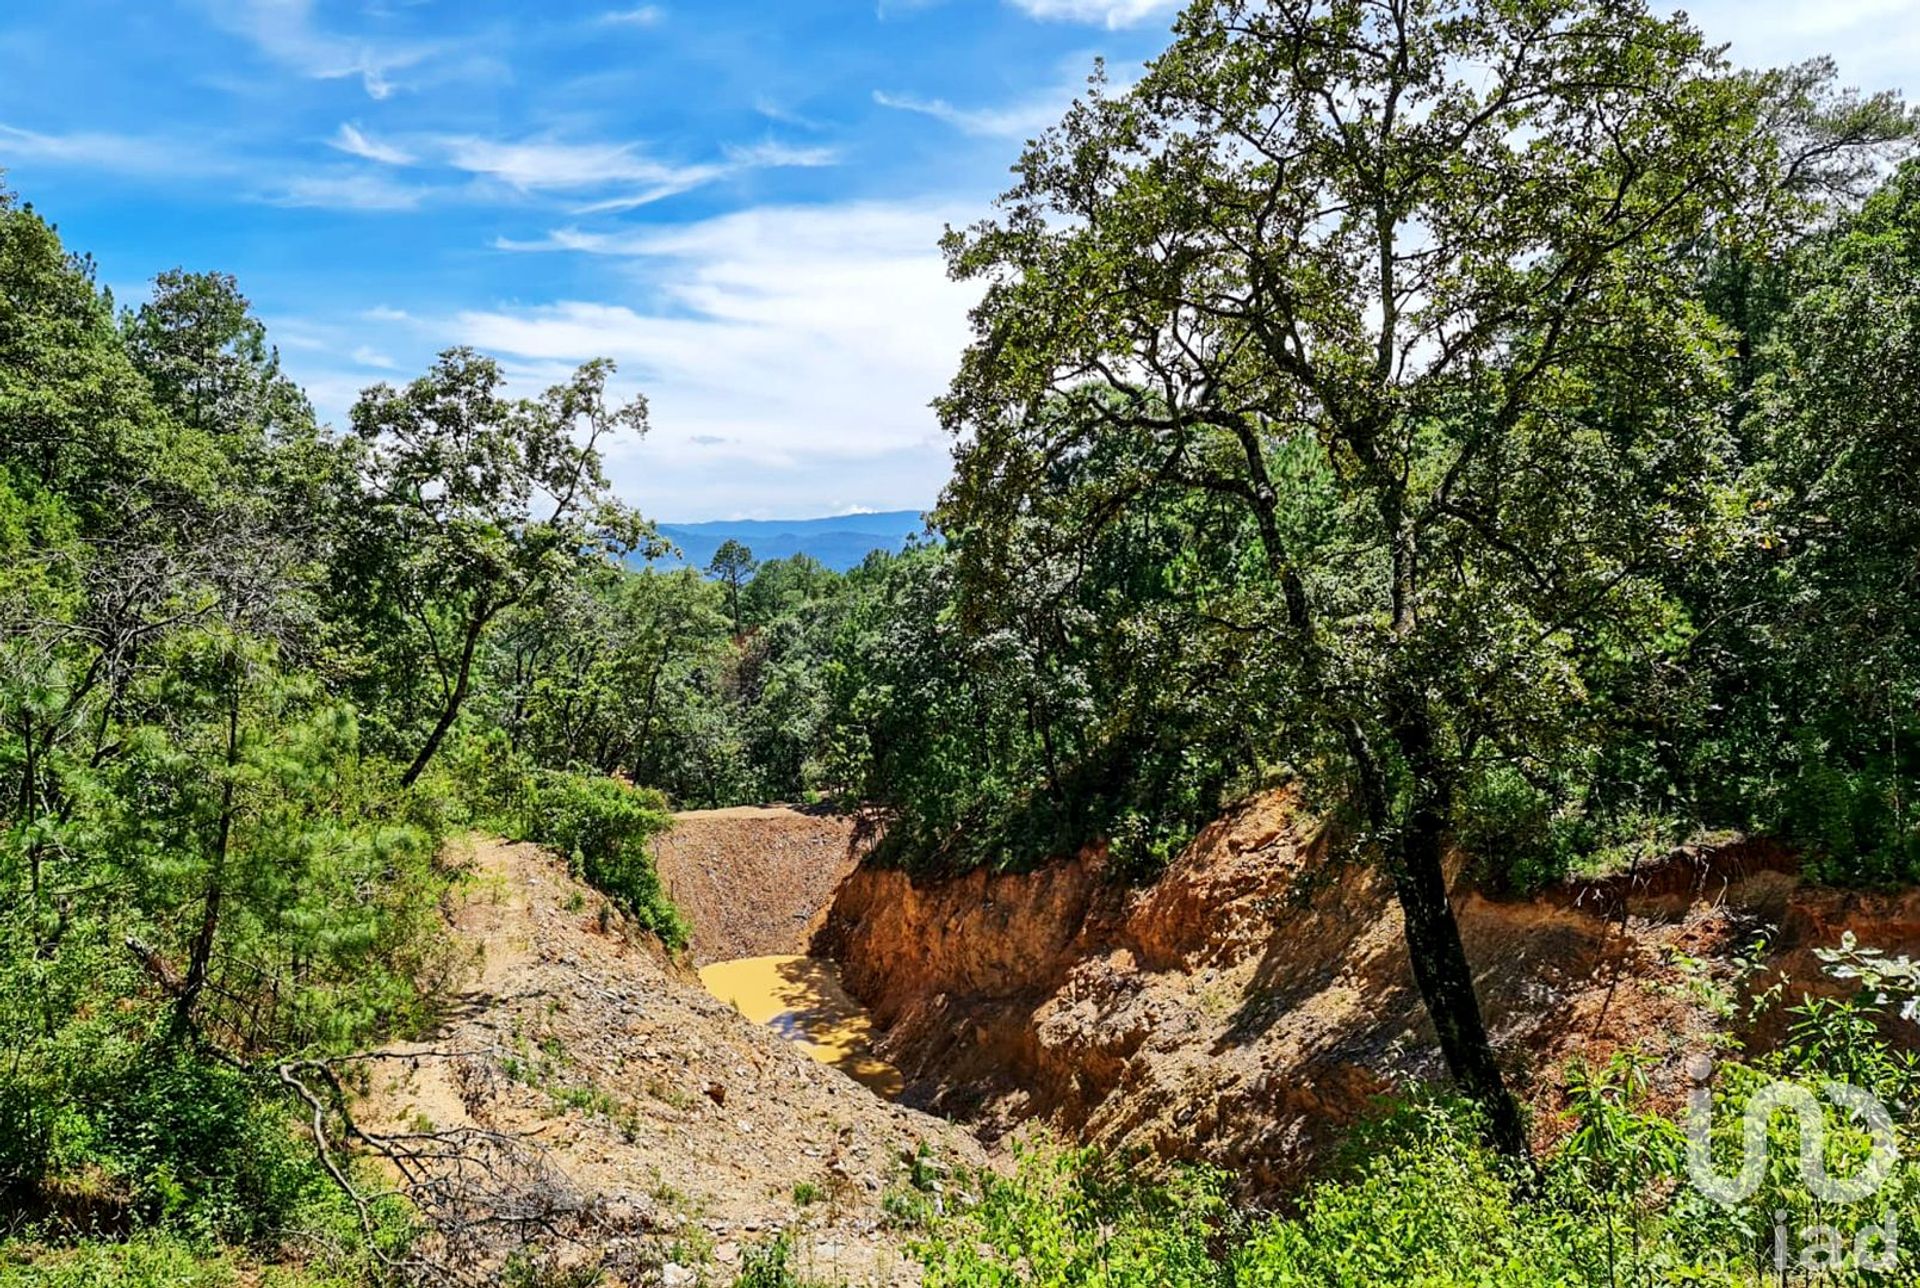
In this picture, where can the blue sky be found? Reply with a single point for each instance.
(737, 202)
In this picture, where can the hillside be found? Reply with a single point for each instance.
(839, 541)
(1251, 1005)
(672, 1135)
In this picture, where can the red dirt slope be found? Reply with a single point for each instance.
(1245, 1008)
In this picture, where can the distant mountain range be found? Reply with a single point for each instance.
(840, 542)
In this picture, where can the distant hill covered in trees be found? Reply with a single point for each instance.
(840, 541)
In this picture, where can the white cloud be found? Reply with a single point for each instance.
(350, 140)
(1111, 14)
(772, 153)
(538, 165)
(549, 163)
(646, 15)
(783, 350)
(1876, 42)
(1021, 120)
(355, 190)
(285, 31)
(368, 356)
(776, 111)
(119, 153)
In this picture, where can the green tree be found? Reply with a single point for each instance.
(1433, 332)
(207, 358)
(475, 503)
(1834, 586)
(733, 564)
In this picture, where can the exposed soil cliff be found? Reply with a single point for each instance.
(755, 879)
(1252, 1002)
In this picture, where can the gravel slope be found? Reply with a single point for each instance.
(681, 1129)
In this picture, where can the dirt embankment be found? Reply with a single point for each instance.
(755, 880)
(1245, 1008)
(675, 1132)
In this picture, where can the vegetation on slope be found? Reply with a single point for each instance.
(1421, 1199)
(232, 648)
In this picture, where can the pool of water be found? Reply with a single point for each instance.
(801, 998)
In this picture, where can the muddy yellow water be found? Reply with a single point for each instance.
(801, 997)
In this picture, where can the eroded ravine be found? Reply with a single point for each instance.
(1248, 1006)
(652, 1121)
(756, 882)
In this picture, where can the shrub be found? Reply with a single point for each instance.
(768, 1265)
(1853, 820)
(1076, 1217)
(148, 1261)
(604, 826)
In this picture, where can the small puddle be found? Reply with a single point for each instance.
(801, 998)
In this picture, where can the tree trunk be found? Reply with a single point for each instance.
(200, 957)
(1440, 966)
(1441, 970)
(451, 712)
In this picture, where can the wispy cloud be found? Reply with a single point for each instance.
(351, 190)
(117, 153)
(788, 294)
(549, 164)
(350, 140)
(772, 153)
(1019, 120)
(776, 111)
(593, 176)
(286, 32)
(1111, 14)
(539, 163)
(1026, 116)
(573, 239)
(646, 15)
(368, 356)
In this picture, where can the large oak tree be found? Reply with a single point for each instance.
(1413, 283)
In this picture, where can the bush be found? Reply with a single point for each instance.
(1076, 1217)
(155, 1136)
(1857, 822)
(768, 1265)
(603, 826)
(149, 1261)
(1509, 828)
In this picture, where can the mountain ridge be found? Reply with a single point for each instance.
(839, 541)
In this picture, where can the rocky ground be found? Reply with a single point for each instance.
(671, 1134)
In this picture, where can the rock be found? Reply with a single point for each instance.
(676, 1276)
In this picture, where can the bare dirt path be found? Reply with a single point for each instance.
(693, 1132)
